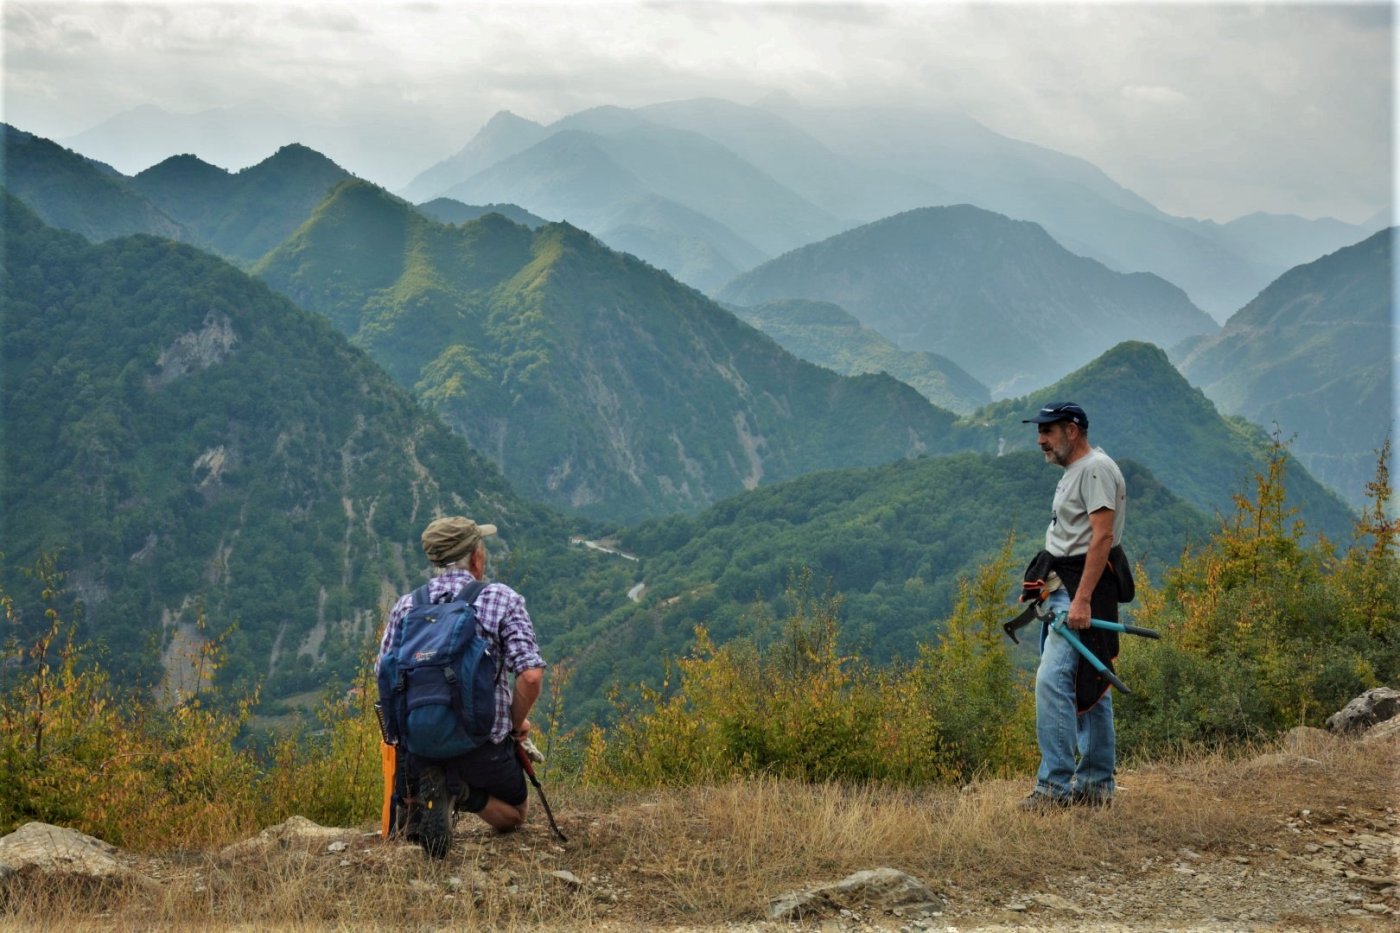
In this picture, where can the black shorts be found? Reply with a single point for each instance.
(494, 769)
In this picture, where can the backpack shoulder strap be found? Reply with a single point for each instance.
(420, 598)
(470, 592)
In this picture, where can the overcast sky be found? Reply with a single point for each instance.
(1208, 110)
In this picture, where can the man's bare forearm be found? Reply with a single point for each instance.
(527, 690)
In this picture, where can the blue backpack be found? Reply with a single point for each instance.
(436, 681)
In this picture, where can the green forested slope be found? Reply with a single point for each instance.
(1313, 354)
(826, 334)
(241, 215)
(448, 211)
(182, 436)
(595, 381)
(893, 540)
(1142, 409)
(72, 192)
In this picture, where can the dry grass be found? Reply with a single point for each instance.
(716, 855)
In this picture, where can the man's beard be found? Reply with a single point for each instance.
(1057, 453)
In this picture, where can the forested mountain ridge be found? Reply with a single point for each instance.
(184, 439)
(1141, 408)
(892, 540)
(593, 380)
(72, 192)
(828, 335)
(998, 296)
(1313, 354)
(237, 215)
(448, 211)
(241, 215)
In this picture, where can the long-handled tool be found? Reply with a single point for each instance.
(529, 767)
(1124, 629)
(1058, 627)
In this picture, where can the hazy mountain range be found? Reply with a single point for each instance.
(192, 437)
(779, 175)
(1001, 297)
(238, 213)
(1314, 355)
(828, 335)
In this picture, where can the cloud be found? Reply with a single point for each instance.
(1152, 94)
(1210, 109)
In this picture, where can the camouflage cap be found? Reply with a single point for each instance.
(448, 540)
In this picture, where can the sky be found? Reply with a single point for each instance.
(1208, 110)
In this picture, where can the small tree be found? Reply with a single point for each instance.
(971, 706)
(1264, 632)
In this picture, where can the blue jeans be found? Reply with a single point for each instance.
(1077, 751)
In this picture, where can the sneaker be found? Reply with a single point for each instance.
(1037, 802)
(1092, 800)
(435, 802)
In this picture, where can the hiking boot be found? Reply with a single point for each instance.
(412, 825)
(435, 802)
(1037, 802)
(1092, 800)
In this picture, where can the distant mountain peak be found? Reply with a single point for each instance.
(503, 119)
(941, 279)
(297, 154)
(183, 163)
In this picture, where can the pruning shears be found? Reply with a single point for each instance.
(1035, 593)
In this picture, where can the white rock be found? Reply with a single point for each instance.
(295, 831)
(55, 850)
(568, 878)
(885, 889)
(1054, 902)
(1374, 706)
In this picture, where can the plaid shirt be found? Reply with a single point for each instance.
(501, 615)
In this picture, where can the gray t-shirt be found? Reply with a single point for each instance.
(1090, 483)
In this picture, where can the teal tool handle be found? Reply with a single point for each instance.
(1126, 629)
(1059, 627)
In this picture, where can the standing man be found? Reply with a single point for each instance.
(1073, 708)
(488, 780)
